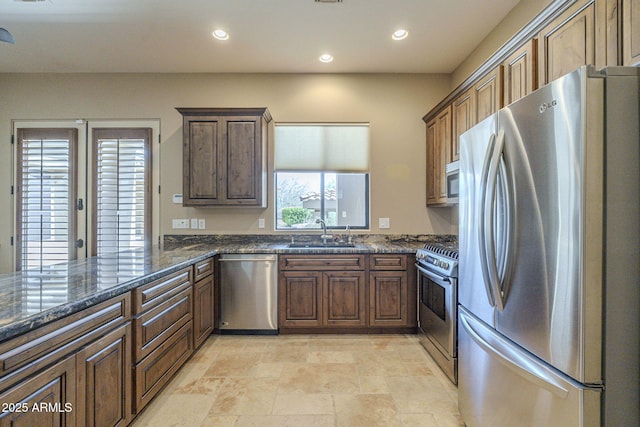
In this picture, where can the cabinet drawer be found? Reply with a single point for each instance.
(157, 369)
(388, 262)
(321, 262)
(51, 342)
(203, 269)
(158, 291)
(156, 325)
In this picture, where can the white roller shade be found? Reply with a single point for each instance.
(322, 147)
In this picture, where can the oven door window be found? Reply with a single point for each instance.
(433, 297)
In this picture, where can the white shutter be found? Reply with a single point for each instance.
(46, 197)
(121, 189)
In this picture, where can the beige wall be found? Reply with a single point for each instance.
(519, 16)
(393, 104)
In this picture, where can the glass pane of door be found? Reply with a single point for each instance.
(46, 197)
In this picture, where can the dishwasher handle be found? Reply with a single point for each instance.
(247, 259)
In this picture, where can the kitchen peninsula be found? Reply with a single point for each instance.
(74, 331)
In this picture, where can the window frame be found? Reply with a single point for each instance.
(367, 195)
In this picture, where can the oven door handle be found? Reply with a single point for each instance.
(433, 276)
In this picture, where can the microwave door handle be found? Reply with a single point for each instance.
(489, 222)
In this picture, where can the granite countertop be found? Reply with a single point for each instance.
(32, 298)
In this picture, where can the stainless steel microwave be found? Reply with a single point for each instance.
(452, 173)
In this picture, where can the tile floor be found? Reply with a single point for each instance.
(308, 380)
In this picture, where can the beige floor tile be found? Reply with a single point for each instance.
(373, 385)
(420, 395)
(307, 380)
(233, 364)
(303, 404)
(177, 411)
(320, 378)
(330, 357)
(366, 410)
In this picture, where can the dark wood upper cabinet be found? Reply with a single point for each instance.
(224, 156)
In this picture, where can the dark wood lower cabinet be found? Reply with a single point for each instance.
(388, 298)
(344, 298)
(346, 293)
(155, 370)
(203, 312)
(104, 380)
(300, 295)
(46, 399)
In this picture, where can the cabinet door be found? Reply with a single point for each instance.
(433, 163)
(344, 298)
(519, 78)
(488, 96)
(242, 160)
(201, 175)
(203, 312)
(570, 41)
(463, 118)
(104, 380)
(300, 299)
(47, 399)
(388, 298)
(630, 32)
(438, 153)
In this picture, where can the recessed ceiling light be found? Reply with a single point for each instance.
(221, 34)
(400, 34)
(325, 57)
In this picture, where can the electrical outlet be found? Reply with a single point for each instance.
(260, 222)
(180, 223)
(201, 224)
(383, 222)
(194, 223)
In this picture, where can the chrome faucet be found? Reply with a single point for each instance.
(324, 235)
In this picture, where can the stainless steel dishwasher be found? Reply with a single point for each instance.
(249, 294)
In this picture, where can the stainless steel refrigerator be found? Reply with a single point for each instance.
(549, 257)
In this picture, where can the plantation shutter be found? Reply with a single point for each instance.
(46, 197)
(121, 189)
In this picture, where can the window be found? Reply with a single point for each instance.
(321, 172)
(121, 192)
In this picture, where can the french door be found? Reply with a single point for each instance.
(46, 197)
(82, 191)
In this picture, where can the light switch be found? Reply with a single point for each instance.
(260, 222)
(194, 223)
(383, 222)
(201, 224)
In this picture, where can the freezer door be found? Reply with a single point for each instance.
(551, 286)
(500, 384)
(475, 147)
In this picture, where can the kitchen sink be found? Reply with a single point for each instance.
(327, 245)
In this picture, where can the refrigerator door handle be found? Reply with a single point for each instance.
(487, 223)
(482, 232)
(512, 357)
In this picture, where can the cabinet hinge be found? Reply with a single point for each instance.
(158, 189)
(80, 205)
(12, 190)
(79, 243)
(12, 139)
(11, 240)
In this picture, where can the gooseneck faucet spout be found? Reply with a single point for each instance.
(324, 235)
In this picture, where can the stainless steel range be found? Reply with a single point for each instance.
(437, 266)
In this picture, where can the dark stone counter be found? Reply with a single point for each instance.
(32, 298)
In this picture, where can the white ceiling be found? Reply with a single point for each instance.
(266, 36)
